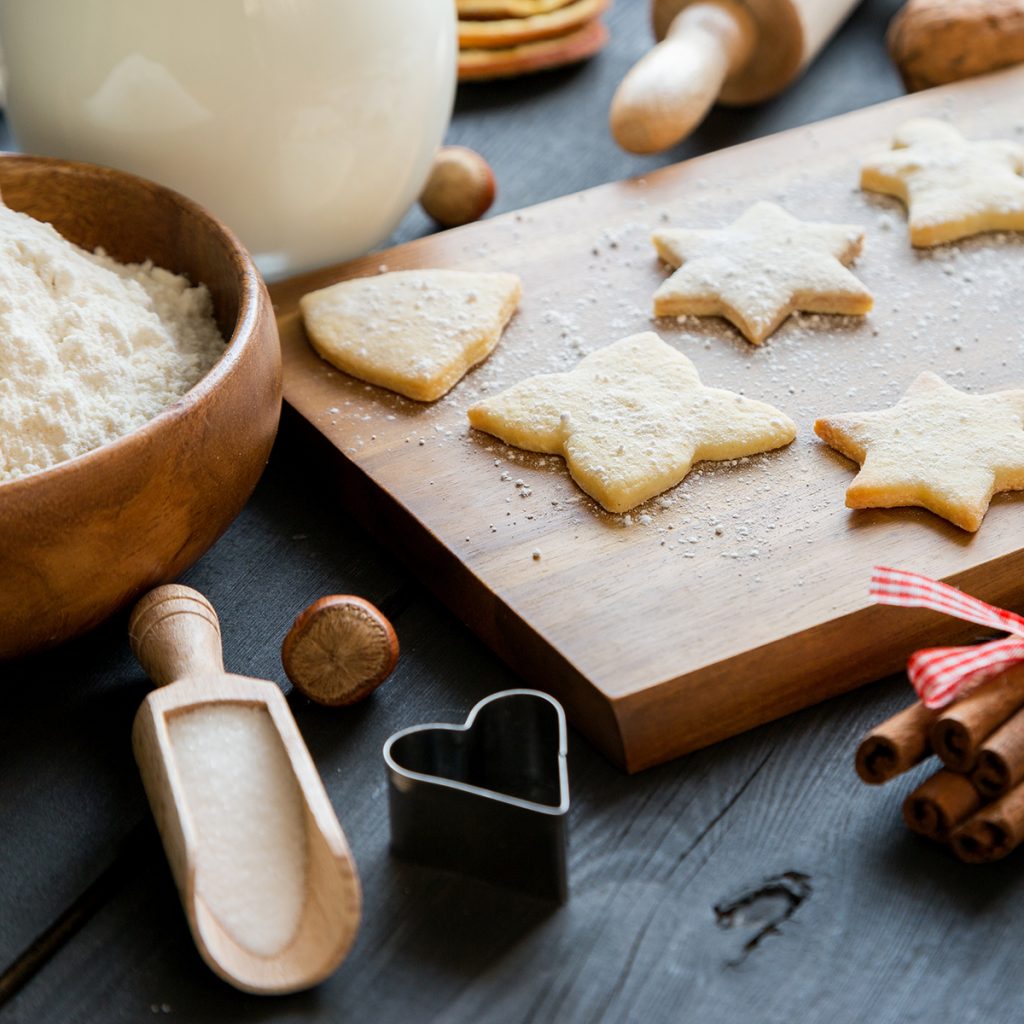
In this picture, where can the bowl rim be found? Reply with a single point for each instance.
(251, 286)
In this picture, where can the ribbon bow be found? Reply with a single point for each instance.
(941, 674)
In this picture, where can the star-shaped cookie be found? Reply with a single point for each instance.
(759, 269)
(630, 420)
(937, 447)
(952, 188)
(413, 331)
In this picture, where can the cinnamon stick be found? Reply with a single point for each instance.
(993, 831)
(894, 746)
(1000, 764)
(940, 804)
(963, 727)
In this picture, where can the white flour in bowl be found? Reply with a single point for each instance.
(90, 348)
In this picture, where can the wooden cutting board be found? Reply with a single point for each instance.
(740, 595)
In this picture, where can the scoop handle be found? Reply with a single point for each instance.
(670, 90)
(175, 634)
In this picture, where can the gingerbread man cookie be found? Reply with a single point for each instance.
(951, 187)
(630, 420)
(759, 269)
(937, 448)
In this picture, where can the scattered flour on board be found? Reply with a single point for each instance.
(956, 309)
(90, 349)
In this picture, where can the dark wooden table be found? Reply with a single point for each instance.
(753, 881)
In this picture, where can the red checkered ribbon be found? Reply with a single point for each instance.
(941, 674)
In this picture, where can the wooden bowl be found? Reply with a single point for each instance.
(84, 538)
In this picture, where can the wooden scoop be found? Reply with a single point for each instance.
(265, 875)
(716, 50)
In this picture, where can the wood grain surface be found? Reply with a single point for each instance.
(756, 880)
(741, 595)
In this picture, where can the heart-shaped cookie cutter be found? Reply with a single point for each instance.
(489, 797)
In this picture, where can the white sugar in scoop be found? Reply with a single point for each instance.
(265, 875)
(246, 805)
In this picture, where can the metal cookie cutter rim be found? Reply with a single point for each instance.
(507, 850)
(493, 794)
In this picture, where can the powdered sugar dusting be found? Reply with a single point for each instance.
(731, 526)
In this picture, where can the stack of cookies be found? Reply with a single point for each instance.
(503, 38)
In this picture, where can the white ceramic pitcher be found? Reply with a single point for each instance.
(308, 126)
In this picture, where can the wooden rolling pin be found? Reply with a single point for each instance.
(728, 51)
(265, 875)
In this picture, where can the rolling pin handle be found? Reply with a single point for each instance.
(175, 634)
(668, 92)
